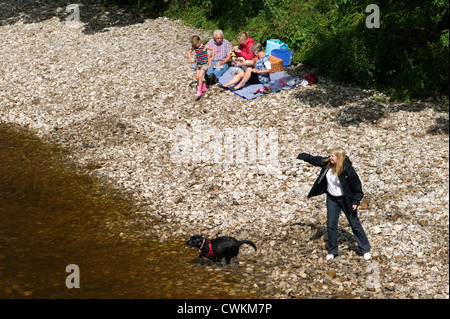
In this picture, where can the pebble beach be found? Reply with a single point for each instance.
(117, 96)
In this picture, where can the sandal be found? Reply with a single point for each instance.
(258, 90)
(266, 90)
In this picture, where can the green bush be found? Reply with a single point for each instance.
(408, 55)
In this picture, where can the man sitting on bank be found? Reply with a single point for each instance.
(223, 49)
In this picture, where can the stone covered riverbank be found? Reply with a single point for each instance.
(117, 95)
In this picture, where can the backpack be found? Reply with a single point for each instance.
(311, 78)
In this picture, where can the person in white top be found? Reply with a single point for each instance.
(342, 185)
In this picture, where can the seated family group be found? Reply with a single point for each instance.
(214, 59)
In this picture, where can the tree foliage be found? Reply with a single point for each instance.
(407, 55)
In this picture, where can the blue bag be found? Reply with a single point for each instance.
(283, 54)
(274, 44)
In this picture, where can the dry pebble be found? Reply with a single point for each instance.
(119, 99)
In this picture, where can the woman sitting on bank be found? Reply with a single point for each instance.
(243, 51)
(257, 71)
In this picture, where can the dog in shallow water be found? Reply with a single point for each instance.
(217, 248)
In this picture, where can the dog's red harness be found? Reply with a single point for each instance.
(210, 248)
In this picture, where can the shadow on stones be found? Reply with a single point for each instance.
(94, 15)
(440, 127)
(356, 105)
(345, 237)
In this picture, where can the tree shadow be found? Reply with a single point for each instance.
(356, 105)
(440, 127)
(93, 15)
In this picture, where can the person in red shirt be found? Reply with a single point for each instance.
(243, 51)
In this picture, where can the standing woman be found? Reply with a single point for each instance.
(342, 185)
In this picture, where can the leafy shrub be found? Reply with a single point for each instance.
(408, 55)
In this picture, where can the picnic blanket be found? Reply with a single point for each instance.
(276, 83)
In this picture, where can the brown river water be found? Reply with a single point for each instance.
(53, 215)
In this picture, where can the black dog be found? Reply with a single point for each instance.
(218, 248)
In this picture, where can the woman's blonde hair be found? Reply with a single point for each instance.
(243, 35)
(337, 168)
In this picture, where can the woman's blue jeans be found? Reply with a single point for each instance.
(334, 207)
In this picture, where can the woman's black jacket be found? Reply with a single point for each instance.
(349, 180)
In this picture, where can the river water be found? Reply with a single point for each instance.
(53, 215)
